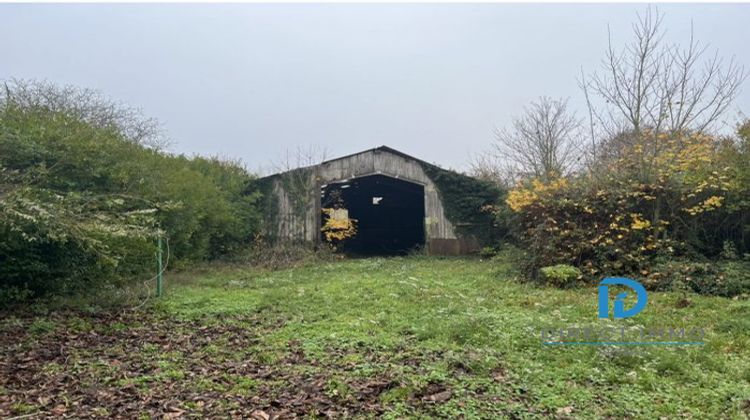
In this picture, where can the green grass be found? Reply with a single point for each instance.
(471, 327)
(391, 337)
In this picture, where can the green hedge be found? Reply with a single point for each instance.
(82, 203)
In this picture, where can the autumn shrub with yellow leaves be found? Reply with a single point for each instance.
(600, 230)
(663, 197)
(338, 227)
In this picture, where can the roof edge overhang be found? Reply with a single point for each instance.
(382, 148)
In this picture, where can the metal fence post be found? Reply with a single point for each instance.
(159, 274)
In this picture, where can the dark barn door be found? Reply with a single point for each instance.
(389, 213)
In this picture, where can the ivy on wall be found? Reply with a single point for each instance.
(297, 184)
(469, 203)
(269, 202)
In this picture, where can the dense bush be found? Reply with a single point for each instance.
(659, 198)
(562, 275)
(721, 278)
(470, 204)
(84, 198)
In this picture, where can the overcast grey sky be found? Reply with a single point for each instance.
(254, 80)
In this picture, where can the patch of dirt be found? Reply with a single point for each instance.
(141, 363)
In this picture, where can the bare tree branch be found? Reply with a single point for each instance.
(664, 88)
(300, 157)
(87, 105)
(544, 142)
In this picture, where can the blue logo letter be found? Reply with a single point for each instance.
(619, 311)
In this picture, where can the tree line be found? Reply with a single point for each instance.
(86, 186)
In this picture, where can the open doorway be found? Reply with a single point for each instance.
(389, 213)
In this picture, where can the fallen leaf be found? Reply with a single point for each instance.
(260, 415)
(440, 396)
(565, 410)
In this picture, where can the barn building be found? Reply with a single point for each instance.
(398, 203)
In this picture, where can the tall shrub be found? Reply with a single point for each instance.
(84, 198)
(622, 218)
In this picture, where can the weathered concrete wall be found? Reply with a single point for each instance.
(298, 194)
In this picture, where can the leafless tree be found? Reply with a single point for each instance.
(650, 84)
(542, 143)
(299, 179)
(301, 157)
(87, 105)
(489, 167)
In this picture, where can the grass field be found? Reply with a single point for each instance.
(392, 337)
